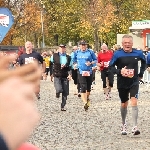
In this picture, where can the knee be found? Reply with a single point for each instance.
(124, 105)
(133, 101)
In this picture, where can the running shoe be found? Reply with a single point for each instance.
(88, 101)
(124, 129)
(63, 109)
(109, 95)
(57, 95)
(86, 107)
(79, 95)
(135, 131)
(106, 96)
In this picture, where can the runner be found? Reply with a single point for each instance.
(74, 71)
(104, 58)
(47, 63)
(28, 57)
(84, 58)
(126, 60)
(61, 67)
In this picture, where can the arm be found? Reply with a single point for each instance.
(20, 61)
(112, 65)
(74, 58)
(42, 62)
(99, 58)
(143, 65)
(94, 58)
(148, 60)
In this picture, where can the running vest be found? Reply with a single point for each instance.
(57, 71)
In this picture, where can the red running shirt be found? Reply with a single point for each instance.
(104, 58)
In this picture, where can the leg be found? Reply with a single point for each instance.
(134, 96)
(74, 77)
(103, 77)
(78, 87)
(110, 82)
(58, 86)
(124, 96)
(83, 84)
(89, 83)
(65, 93)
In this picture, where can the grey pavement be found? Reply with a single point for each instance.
(96, 129)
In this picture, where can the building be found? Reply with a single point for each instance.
(140, 30)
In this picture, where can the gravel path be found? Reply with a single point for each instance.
(97, 129)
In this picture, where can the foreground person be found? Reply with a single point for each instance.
(16, 124)
(61, 67)
(126, 60)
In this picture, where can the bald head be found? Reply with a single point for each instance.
(28, 46)
(104, 47)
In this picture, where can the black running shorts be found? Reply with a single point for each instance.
(124, 93)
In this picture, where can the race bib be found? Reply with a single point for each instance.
(106, 64)
(29, 60)
(130, 73)
(85, 73)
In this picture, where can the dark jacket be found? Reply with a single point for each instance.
(57, 71)
(3, 145)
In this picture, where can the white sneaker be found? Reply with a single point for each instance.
(124, 129)
(135, 131)
(106, 96)
(109, 95)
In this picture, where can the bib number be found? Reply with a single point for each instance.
(29, 60)
(85, 73)
(106, 64)
(130, 73)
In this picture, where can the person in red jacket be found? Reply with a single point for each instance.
(104, 58)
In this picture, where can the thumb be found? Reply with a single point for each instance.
(125, 67)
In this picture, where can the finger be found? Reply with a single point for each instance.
(125, 67)
(4, 61)
(33, 77)
(25, 70)
(5, 74)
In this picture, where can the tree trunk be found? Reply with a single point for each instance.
(35, 41)
(11, 40)
(96, 39)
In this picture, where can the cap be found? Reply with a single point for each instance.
(62, 45)
(83, 42)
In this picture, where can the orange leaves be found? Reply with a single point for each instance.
(99, 14)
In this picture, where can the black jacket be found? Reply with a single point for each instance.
(57, 71)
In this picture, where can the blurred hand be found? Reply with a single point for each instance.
(69, 77)
(62, 66)
(124, 72)
(99, 64)
(30, 73)
(18, 112)
(88, 63)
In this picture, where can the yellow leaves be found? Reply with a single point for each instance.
(18, 41)
(100, 15)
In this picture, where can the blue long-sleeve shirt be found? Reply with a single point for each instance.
(72, 57)
(148, 60)
(82, 57)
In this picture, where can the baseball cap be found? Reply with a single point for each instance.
(83, 42)
(62, 45)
